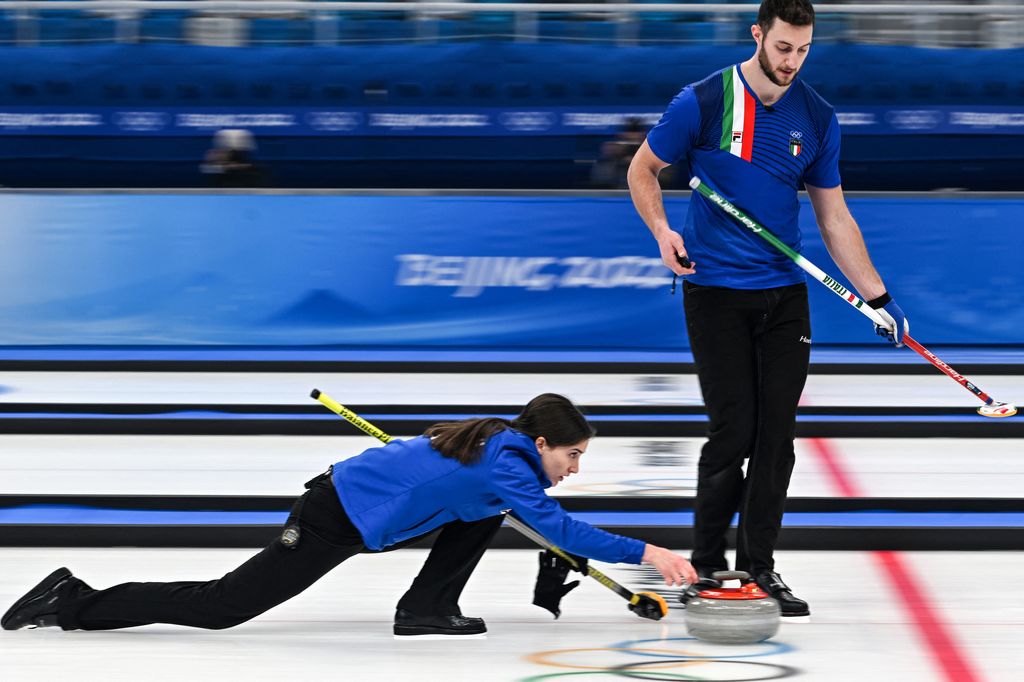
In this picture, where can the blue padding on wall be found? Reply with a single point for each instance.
(868, 519)
(60, 514)
(450, 271)
(63, 515)
(208, 415)
(880, 354)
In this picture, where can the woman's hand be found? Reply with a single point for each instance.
(673, 568)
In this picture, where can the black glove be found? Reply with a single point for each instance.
(551, 586)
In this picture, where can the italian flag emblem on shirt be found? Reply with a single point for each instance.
(794, 147)
(737, 116)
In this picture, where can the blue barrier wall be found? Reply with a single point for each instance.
(449, 271)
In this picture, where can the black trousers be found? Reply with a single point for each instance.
(278, 573)
(751, 350)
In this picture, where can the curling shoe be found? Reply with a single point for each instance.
(693, 589)
(38, 608)
(771, 582)
(410, 624)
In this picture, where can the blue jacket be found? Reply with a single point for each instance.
(407, 488)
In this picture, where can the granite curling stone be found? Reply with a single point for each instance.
(732, 615)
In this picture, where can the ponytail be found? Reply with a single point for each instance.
(463, 440)
(549, 415)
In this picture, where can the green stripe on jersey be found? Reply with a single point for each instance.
(726, 142)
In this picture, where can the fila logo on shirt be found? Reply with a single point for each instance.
(737, 136)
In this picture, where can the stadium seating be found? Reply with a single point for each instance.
(469, 76)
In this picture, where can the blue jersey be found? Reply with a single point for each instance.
(407, 489)
(757, 158)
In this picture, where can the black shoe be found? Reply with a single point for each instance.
(771, 582)
(693, 589)
(407, 623)
(38, 608)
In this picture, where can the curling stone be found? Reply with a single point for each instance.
(732, 615)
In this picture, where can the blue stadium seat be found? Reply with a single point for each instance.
(162, 27)
(675, 30)
(491, 24)
(649, 17)
(830, 29)
(448, 28)
(661, 31)
(577, 29)
(8, 29)
(961, 91)
(355, 27)
(56, 29)
(73, 27)
(270, 31)
(114, 92)
(702, 32)
(152, 92)
(407, 93)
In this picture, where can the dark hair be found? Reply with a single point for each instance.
(795, 12)
(549, 415)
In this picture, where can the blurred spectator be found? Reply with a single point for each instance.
(230, 163)
(610, 170)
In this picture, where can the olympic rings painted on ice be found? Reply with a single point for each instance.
(616, 673)
(669, 658)
(541, 658)
(662, 483)
(628, 671)
(781, 671)
(629, 646)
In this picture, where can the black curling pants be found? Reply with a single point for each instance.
(277, 574)
(751, 350)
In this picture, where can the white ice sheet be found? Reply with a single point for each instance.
(649, 467)
(469, 389)
(340, 628)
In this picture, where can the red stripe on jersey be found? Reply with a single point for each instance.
(749, 107)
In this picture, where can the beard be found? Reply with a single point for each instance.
(769, 72)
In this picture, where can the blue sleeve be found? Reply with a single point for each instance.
(678, 129)
(824, 170)
(516, 484)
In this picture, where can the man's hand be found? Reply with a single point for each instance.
(673, 253)
(673, 568)
(897, 324)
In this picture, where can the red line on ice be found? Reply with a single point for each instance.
(953, 662)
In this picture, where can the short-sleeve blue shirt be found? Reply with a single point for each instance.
(757, 158)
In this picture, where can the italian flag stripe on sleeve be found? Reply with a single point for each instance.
(726, 143)
(738, 109)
